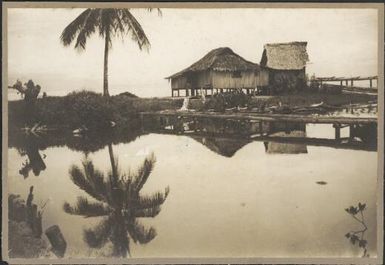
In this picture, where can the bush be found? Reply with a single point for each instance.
(89, 109)
(222, 101)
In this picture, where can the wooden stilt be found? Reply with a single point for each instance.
(351, 131)
(178, 92)
(337, 128)
(371, 85)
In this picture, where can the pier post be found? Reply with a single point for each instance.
(351, 131)
(260, 128)
(371, 85)
(337, 128)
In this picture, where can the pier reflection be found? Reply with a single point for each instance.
(278, 137)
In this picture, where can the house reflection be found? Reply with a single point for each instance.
(223, 146)
(286, 148)
(116, 199)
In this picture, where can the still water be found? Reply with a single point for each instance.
(226, 198)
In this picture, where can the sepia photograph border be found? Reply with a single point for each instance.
(190, 260)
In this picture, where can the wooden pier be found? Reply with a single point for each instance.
(347, 83)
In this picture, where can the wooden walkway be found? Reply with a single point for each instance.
(347, 79)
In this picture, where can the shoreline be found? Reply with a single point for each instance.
(95, 112)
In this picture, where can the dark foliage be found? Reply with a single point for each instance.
(89, 109)
(222, 101)
(86, 108)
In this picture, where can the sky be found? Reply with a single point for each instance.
(341, 42)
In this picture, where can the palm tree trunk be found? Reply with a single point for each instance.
(113, 165)
(105, 74)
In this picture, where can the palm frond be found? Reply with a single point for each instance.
(157, 9)
(117, 22)
(105, 15)
(89, 27)
(70, 32)
(108, 21)
(144, 172)
(87, 209)
(147, 212)
(98, 236)
(135, 29)
(153, 200)
(91, 180)
(139, 233)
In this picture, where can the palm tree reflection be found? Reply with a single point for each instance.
(119, 201)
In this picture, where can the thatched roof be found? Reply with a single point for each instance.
(285, 56)
(220, 59)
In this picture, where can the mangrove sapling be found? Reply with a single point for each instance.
(29, 91)
(357, 236)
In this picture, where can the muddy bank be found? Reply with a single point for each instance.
(25, 233)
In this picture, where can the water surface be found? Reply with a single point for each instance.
(227, 198)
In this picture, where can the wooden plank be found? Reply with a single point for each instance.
(268, 117)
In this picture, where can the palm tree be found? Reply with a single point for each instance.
(108, 22)
(118, 200)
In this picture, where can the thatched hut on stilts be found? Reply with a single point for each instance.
(286, 66)
(218, 71)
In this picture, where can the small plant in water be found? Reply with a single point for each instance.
(357, 236)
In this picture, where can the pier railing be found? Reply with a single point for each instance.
(347, 83)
